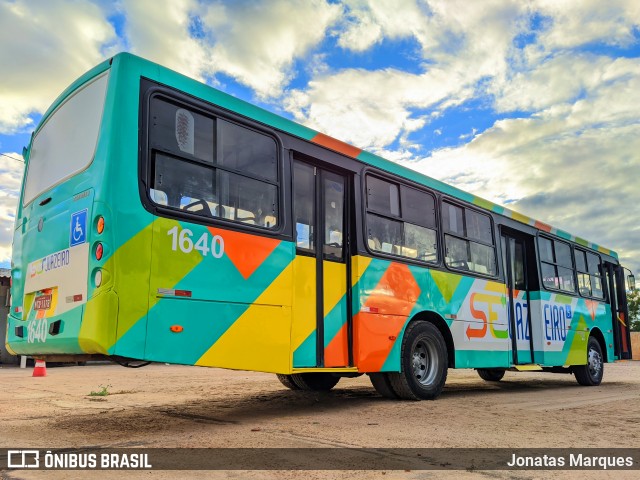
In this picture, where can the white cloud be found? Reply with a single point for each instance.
(46, 45)
(159, 30)
(10, 179)
(611, 22)
(257, 43)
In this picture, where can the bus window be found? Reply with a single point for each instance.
(588, 273)
(556, 265)
(304, 186)
(468, 240)
(210, 166)
(413, 237)
(333, 186)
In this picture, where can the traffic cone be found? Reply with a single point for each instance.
(40, 369)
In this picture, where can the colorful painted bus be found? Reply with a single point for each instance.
(161, 220)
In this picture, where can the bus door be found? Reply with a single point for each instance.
(516, 249)
(321, 329)
(615, 281)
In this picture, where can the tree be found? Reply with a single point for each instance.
(633, 303)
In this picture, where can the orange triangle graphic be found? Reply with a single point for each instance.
(246, 251)
(592, 306)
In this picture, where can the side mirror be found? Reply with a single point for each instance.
(631, 282)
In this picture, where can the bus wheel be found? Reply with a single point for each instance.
(491, 374)
(423, 362)
(315, 381)
(591, 373)
(382, 384)
(287, 381)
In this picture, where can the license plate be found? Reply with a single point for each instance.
(42, 302)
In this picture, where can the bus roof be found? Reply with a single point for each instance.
(273, 120)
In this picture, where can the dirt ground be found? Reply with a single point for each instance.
(176, 406)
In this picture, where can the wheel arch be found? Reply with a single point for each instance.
(435, 318)
(597, 334)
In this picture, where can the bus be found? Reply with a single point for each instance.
(162, 220)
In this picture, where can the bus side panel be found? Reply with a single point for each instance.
(388, 294)
(566, 325)
(219, 298)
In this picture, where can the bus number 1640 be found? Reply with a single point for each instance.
(183, 239)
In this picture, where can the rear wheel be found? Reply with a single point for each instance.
(382, 384)
(591, 374)
(287, 381)
(315, 381)
(491, 374)
(423, 362)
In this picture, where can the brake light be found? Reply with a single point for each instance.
(99, 251)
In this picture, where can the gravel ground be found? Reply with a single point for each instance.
(177, 406)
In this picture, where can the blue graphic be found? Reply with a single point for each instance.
(568, 311)
(78, 228)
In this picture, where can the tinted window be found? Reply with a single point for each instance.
(384, 235)
(482, 259)
(452, 219)
(383, 196)
(563, 254)
(593, 263)
(478, 226)
(418, 207)
(247, 151)
(181, 131)
(420, 243)
(581, 264)
(549, 277)
(210, 166)
(304, 193)
(546, 249)
(333, 186)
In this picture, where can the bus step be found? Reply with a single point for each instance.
(529, 367)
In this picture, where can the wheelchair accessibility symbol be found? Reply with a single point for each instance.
(78, 228)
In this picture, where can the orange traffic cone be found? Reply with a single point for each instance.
(40, 369)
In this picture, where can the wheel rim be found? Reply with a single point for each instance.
(424, 362)
(595, 363)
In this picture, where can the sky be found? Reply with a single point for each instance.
(532, 104)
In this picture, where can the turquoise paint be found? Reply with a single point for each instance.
(305, 354)
(335, 320)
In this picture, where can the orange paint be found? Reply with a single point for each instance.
(542, 226)
(337, 145)
(592, 306)
(246, 251)
(336, 354)
(394, 297)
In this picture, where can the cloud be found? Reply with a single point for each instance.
(10, 179)
(159, 30)
(46, 45)
(572, 164)
(257, 43)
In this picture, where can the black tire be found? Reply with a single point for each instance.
(382, 384)
(287, 381)
(491, 374)
(317, 382)
(424, 363)
(591, 374)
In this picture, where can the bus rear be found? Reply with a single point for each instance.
(56, 221)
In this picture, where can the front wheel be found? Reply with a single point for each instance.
(591, 374)
(491, 374)
(424, 363)
(287, 381)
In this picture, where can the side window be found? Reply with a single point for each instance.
(401, 220)
(468, 240)
(211, 167)
(556, 265)
(589, 274)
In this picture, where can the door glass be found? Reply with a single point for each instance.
(333, 186)
(304, 195)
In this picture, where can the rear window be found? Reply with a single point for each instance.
(66, 143)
